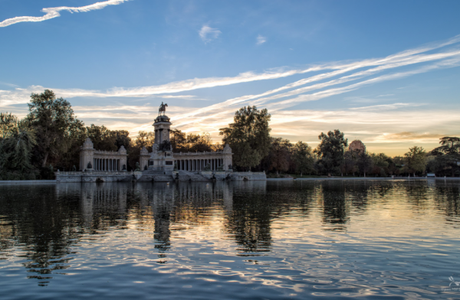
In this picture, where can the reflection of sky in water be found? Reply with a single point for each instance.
(243, 239)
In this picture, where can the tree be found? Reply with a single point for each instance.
(279, 156)
(200, 143)
(145, 139)
(364, 163)
(302, 157)
(122, 139)
(248, 136)
(350, 162)
(16, 146)
(54, 123)
(415, 160)
(178, 140)
(381, 163)
(8, 122)
(449, 145)
(446, 156)
(331, 150)
(102, 137)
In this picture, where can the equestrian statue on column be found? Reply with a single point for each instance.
(162, 109)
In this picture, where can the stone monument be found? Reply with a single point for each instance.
(162, 158)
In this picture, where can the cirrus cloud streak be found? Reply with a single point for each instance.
(53, 12)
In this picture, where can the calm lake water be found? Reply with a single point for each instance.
(244, 240)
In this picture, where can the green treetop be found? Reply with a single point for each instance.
(330, 150)
(248, 136)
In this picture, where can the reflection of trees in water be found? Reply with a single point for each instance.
(46, 221)
(249, 220)
(43, 225)
(447, 199)
(417, 194)
(357, 193)
(334, 205)
(256, 205)
(51, 219)
(287, 195)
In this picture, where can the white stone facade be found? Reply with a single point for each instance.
(94, 160)
(163, 159)
(204, 161)
(160, 159)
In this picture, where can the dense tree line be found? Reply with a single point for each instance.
(50, 137)
(254, 149)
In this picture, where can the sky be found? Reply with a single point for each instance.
(383, 72)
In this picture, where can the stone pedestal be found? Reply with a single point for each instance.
(162, 158)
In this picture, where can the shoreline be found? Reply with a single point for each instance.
(17, 182)
(365, 178)
(31, 182)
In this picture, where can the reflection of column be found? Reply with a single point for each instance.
(86, 203)
(163, 203)
(227, 195)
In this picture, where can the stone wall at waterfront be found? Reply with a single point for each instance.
(92, 176)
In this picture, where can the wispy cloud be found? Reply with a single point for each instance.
(8, 84)
(316, 82)
(53, 12)
(387, 106)
(260, 40)
(411, 136)
(362, 70)
(208, 34)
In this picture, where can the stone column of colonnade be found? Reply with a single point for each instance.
(107, 164)
(192, 165)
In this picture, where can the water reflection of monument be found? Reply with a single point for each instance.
(102, 204)
(247, 219)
